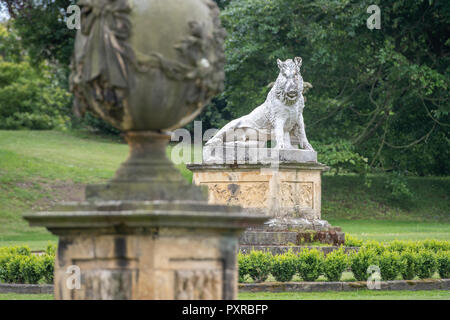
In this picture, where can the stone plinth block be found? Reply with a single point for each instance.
(145, 250)
(284, 190)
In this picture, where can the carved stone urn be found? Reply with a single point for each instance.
(146, 67)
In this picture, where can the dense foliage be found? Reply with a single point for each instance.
(259, 265)
(42, 29)
(284, 266)
(335, 263)
(310, 264)
(408, 259)
(30, 97)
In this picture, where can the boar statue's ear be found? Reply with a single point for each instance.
(280, 64)
(298, 61)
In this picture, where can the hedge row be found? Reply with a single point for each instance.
(409, 259)
(397, 259)
(398, 245)
(19, 265)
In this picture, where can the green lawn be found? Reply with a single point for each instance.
(384, 230)
(40, 168)
(14, 296)
(347, 197)
(349, 295)
(331, 295)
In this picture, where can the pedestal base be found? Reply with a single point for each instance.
(242, 155)
(146, 250)
(291, 232)
(289, 194)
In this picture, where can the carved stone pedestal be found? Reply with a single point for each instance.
(145, 250)
(290, 190)
(289, 193)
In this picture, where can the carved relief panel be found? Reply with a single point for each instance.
(198, 285)
(297, 194)
(247, 195)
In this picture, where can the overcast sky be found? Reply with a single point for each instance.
(3, 13)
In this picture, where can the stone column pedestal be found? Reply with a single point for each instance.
(146, 250)
(285, 185)
(290, 190)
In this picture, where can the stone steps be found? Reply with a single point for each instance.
(283, 249)
(409, 285)
(333, 237)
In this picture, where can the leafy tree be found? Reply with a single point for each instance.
(42, 28)
(29, 97)
(222, 3)
(10, 49)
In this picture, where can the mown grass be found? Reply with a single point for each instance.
(31, 165)
(348, 197)
(330, 295)
(387, 230)
(15, 296)
(349, 295)
(40, 168)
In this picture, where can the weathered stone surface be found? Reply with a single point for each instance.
(330, 236)
(291, 236)
(289, 194)
(241, 155)
(412, 285)
(268, 238)
(290, 191)
(279, 118)
(161, 63)
(147, 250)
(297, 224)
(26, 288)
(277, 249)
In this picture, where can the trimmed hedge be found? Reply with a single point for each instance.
(19, 265)
(243, 266)
(335, 263)
(426, 264)
(389, 263)
(284, 266)
(351, 241)
(443, 264)
(259, 265)
(406, 259)
(398, 245)
(310, 264)
(360, 262)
